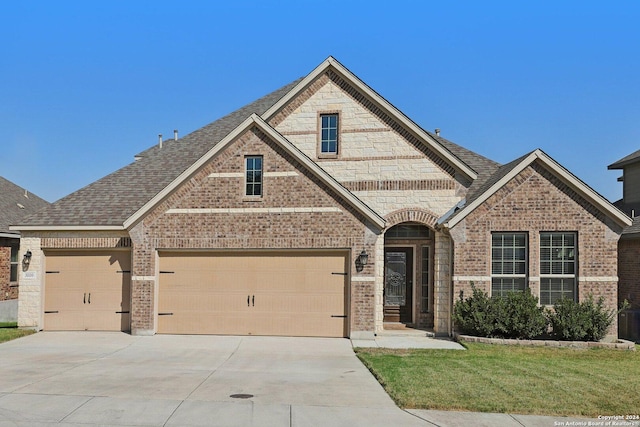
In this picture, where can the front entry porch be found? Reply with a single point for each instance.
(408, 277)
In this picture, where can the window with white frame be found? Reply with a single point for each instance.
(13, 274)
(508, 263)
(558, 257)
(329, 134)
(253, 175)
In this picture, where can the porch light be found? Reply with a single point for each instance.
(362, 260)
(26, 260)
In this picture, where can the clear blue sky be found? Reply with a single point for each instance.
(86, 85)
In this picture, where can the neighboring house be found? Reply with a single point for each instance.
(629, 245)
(317, 210)
(15, 204)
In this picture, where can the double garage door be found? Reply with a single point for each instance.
(291, 293)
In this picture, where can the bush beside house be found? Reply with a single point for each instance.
(518, 315)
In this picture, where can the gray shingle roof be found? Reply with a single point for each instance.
(111, 200)
(631, 158)
(12, 197)
(483, 166)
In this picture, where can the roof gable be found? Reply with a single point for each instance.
(332, 64)
(509, 171)
(255, 120)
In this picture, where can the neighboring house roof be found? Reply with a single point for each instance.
(15, 204)
(631, 158)
(119, 199)
(507, 172)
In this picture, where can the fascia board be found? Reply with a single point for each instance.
(187, 173)
(562, 173)
(380, 101)
(66, 227)
(10, 235)
(583, 189)
(320, 173)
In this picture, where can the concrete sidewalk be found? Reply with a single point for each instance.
(114, 379)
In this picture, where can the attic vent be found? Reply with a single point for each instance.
(20, 205)
(437, 131)
(26, 194)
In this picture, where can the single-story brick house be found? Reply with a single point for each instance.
(15, 204)
(317, 210)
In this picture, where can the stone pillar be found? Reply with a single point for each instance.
(31, 279)
(442, 284)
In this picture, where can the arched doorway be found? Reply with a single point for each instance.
(408, 275)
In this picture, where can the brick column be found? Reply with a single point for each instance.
(143, 284)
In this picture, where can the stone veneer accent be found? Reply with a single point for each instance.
(536, 201)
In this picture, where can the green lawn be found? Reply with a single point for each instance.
(513, 379)
(10, 331)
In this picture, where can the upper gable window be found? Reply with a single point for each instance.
(329, 134)
(253, 175)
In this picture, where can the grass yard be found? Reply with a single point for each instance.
(10, 331)
(513, 379)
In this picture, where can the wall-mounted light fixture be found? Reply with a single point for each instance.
(362, 260)
(26, 260)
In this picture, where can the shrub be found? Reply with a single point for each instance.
(474, 315)
(584, 321)
(522, 317)
(515, 316)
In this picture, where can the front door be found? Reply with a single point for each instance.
(398, 286)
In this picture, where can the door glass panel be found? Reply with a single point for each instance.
(395, 279)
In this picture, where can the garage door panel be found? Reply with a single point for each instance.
(291, 293)
(87, 290)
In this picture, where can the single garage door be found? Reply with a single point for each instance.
(87, 290)
(291, 293)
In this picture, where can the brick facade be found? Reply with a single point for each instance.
(220, 183)
(8, 289)
(536, 201)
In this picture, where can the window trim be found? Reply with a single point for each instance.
(246, 183)
(319, 152)
(525, 275)
(563, 275)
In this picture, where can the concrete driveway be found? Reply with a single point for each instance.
(88, 378)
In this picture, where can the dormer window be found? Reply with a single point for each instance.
(329, 134)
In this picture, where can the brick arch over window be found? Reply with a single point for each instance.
(422, 216)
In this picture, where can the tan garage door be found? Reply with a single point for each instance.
(87, 290)
(291, 293)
